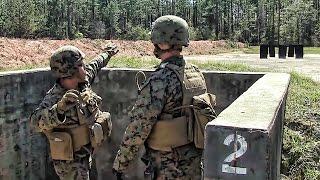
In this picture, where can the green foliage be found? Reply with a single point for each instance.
(193, 34)
(201, 34)
(316, 36)
(252, 22)
(17, 18)
(137, 33)
(78, 35)
(299, 18)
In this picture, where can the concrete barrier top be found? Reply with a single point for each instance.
(7, 73)
(255, 108)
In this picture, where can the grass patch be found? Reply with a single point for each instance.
(251, 50)
(218, 66)
(312, 50)
(256, 50)
(25, 67)
(301, 150)
(133, 62)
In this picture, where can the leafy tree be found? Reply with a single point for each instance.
(250, 21)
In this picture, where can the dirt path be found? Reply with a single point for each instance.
(309, 66)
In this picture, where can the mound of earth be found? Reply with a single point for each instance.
(17, 53)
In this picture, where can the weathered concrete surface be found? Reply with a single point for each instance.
(244, 141)
(24, 154)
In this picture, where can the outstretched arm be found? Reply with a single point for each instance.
(100, 61)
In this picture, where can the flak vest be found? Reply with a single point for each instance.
(169, 132)
(66, 139)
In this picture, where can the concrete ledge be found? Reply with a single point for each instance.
(244, 141)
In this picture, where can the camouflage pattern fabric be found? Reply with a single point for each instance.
(170, 29)
(46, 117)
(182, 163)
(77, 169)
(64, 61)
(160, 93)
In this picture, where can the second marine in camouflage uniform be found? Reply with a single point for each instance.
(73, 111)
(157, 100)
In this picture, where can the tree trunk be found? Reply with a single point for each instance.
(195, 14)
(279, 21)
(273, 24)
(19, 20)
(93, 10)
(231, 16)
(69, 19)
(173, 7)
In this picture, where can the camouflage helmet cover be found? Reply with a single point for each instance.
(170, 29)
(65, 60)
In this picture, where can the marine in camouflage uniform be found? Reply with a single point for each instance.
(159, 94)
(59, 110)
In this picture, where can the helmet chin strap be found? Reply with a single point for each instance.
(158, 51)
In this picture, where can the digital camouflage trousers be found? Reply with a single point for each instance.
(183, 163)
(77, 169)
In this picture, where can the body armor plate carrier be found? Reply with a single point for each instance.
(196, 111)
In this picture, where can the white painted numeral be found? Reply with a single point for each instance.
(226, 168)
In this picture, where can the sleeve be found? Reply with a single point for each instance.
(143, 116)
(46, 117)
(95, 66)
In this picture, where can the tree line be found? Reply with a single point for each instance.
(249, 21)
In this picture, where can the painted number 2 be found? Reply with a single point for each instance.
(226, 168)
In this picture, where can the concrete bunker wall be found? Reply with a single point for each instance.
(244, 141)
(24, 154)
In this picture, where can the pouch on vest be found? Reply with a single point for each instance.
(80, 136)
(169, 133)
(60, 145)
(203, 113)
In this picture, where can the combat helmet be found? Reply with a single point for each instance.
(64, 61)
(170, 29)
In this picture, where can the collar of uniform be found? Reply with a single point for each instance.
(176, 60)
